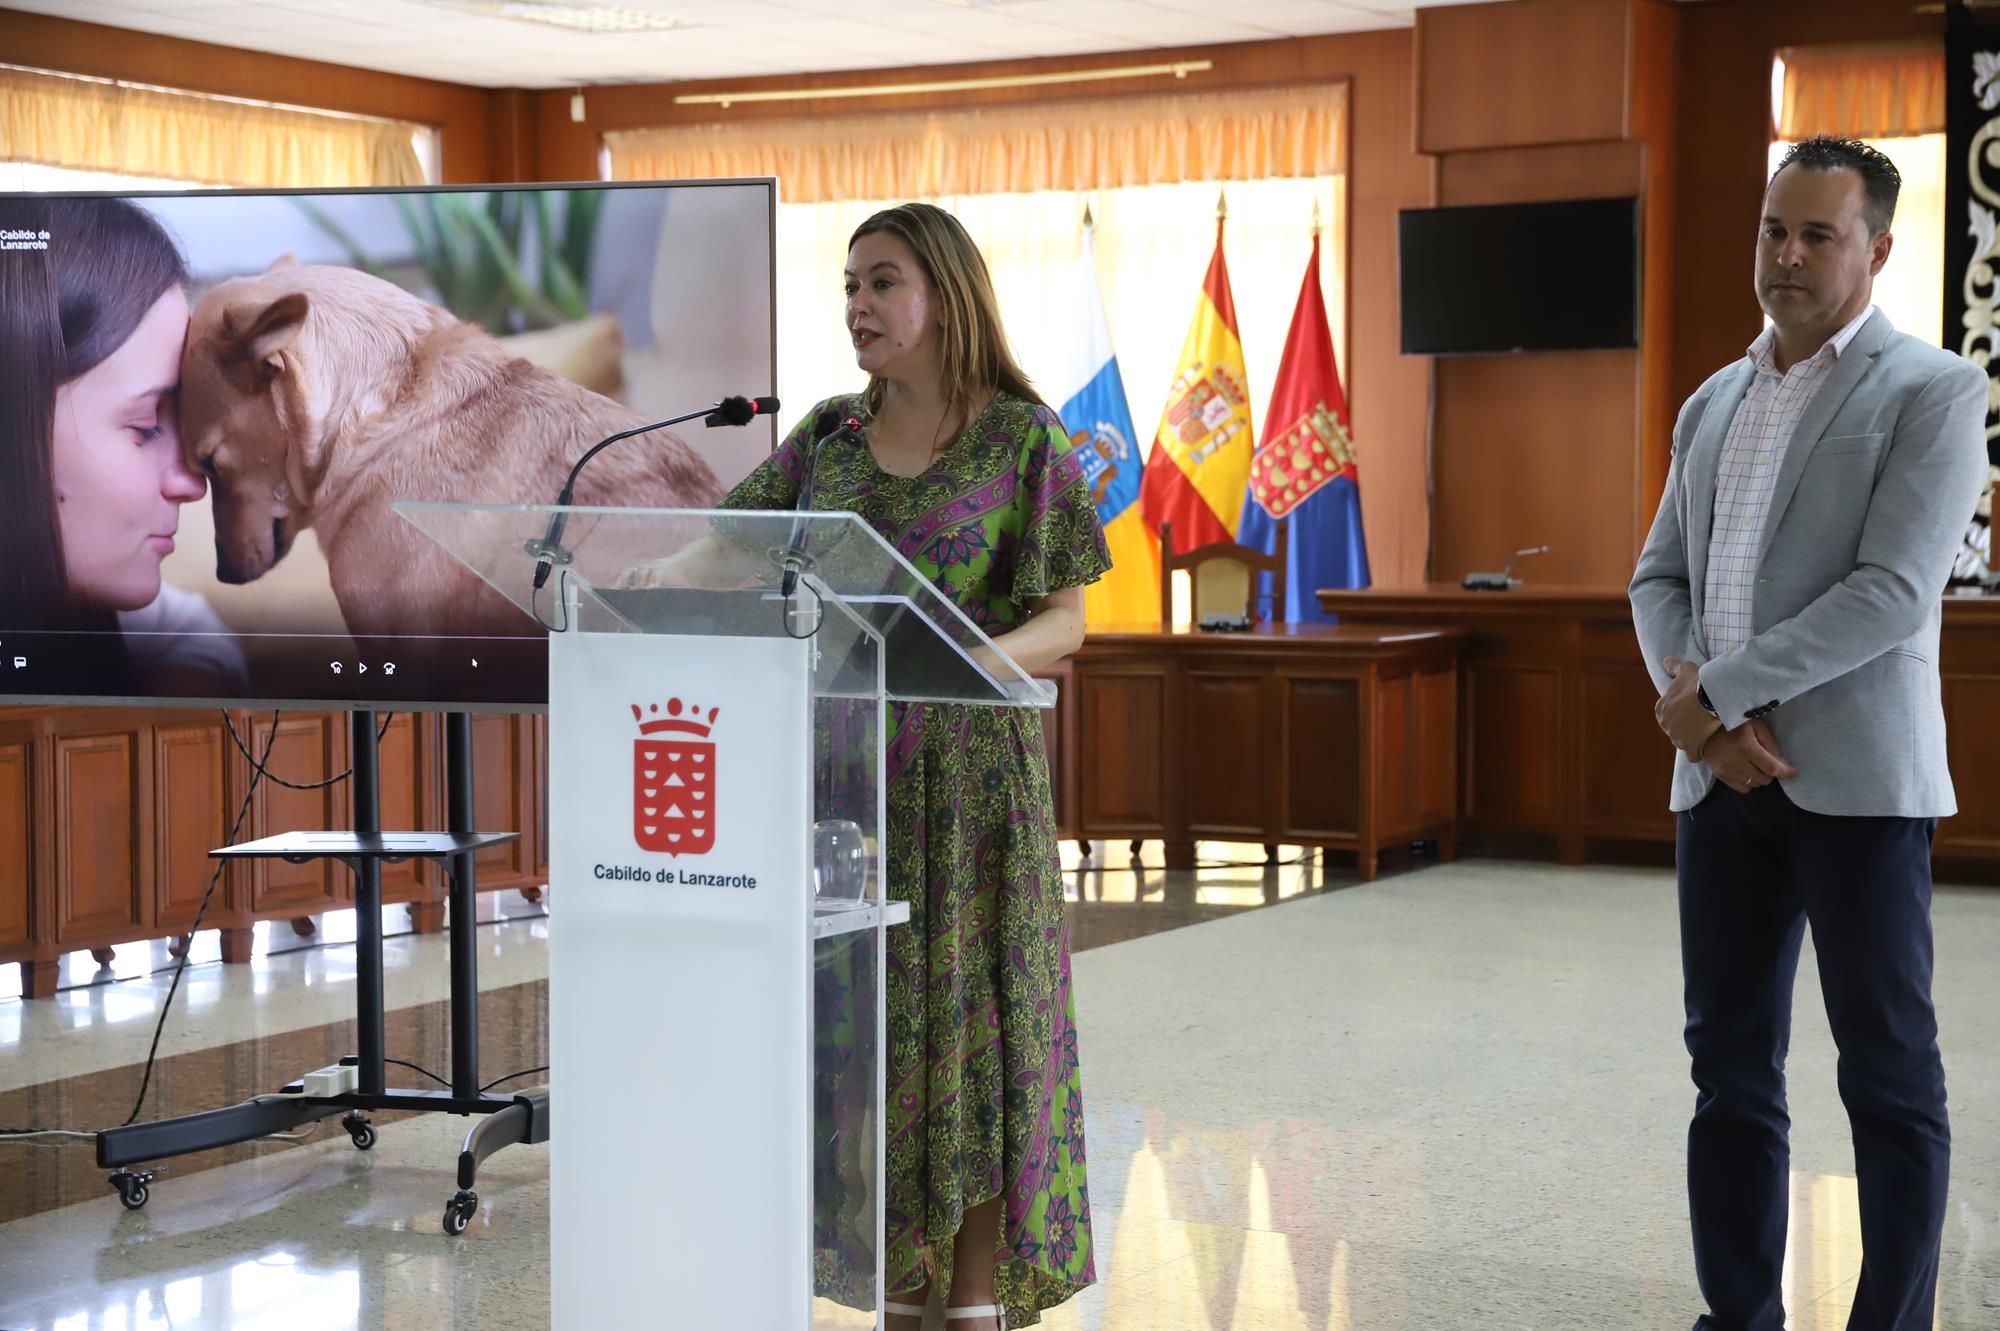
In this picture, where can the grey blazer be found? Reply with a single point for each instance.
(1873, 496)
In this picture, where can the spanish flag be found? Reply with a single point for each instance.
(1200, 463)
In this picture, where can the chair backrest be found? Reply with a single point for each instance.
(1221, 570)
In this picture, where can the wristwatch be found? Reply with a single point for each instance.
(1701, 696)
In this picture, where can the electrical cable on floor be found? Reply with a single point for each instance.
(242, 812)
(528, 1072)
(68, 1137)
(425, 1071)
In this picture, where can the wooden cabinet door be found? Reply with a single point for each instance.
(1972, 740)
(17, 847)
(409, 797)
(193, 806)
(1122, 725)
(1319, 718)
(504, 797)
(103, 869)
(1059, 748)
(1226, 749)
(309, 748)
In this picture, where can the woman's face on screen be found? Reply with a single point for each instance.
(119, 478)
(888, 305)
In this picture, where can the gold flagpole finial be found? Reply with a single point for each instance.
(1315, 217)
(1087, 222)
(1222, 206)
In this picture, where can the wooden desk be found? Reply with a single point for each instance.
(1313, 735)
(1556, 738)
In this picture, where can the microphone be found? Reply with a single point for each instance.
(793, 561)
(740, 410)
(1500, 582)
(549, 551)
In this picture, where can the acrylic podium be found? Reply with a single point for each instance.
(717, 952)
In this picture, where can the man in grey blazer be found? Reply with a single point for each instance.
(1788, 601)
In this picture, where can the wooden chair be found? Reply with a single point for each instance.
(1223, 572)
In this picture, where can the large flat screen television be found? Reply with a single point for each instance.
(1555, 276)
(210, 400)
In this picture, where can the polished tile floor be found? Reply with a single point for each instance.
(1451, 1099)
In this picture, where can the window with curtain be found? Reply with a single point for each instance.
(60, 131)
(1892, 98)
(1149, 169)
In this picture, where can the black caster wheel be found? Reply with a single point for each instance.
(132, 1190)
(361, 1130)
(458, 1212)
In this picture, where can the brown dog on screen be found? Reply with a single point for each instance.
(316, 396)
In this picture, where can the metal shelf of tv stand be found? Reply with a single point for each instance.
(389, 847)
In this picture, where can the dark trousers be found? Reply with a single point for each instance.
(1754, 870)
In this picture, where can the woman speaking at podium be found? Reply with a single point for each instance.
(970, 476)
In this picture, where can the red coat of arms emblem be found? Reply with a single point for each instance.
(673, 779)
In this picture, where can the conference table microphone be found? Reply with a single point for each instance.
(548, 551)
(831, 427)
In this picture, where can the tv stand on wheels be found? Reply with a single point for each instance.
(523, 1117)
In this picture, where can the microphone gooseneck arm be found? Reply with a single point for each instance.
(729, 411)
(793, 562)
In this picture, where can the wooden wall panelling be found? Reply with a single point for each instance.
(511, 154)
(1656, 113)
(1560, 171)
(1537, 448)
(104, 822)
(1387, 392)
(1536, 71)
(1723, 125)
(310, 746)
(458, 112)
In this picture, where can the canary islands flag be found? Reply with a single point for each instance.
(1100, 428)
(1201, 452)
(1303, 473)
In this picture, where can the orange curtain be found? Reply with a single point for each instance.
(95, 125)
(1105, 143)
(1862, 92)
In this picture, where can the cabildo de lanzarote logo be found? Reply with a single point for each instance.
(673, 779)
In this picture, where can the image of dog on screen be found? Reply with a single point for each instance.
(315, 396)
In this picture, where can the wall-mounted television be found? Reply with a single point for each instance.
(209, 401)
(1550, 276)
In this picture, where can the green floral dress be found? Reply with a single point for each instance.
(984, 1095)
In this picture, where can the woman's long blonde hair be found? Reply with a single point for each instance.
(973, 350)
